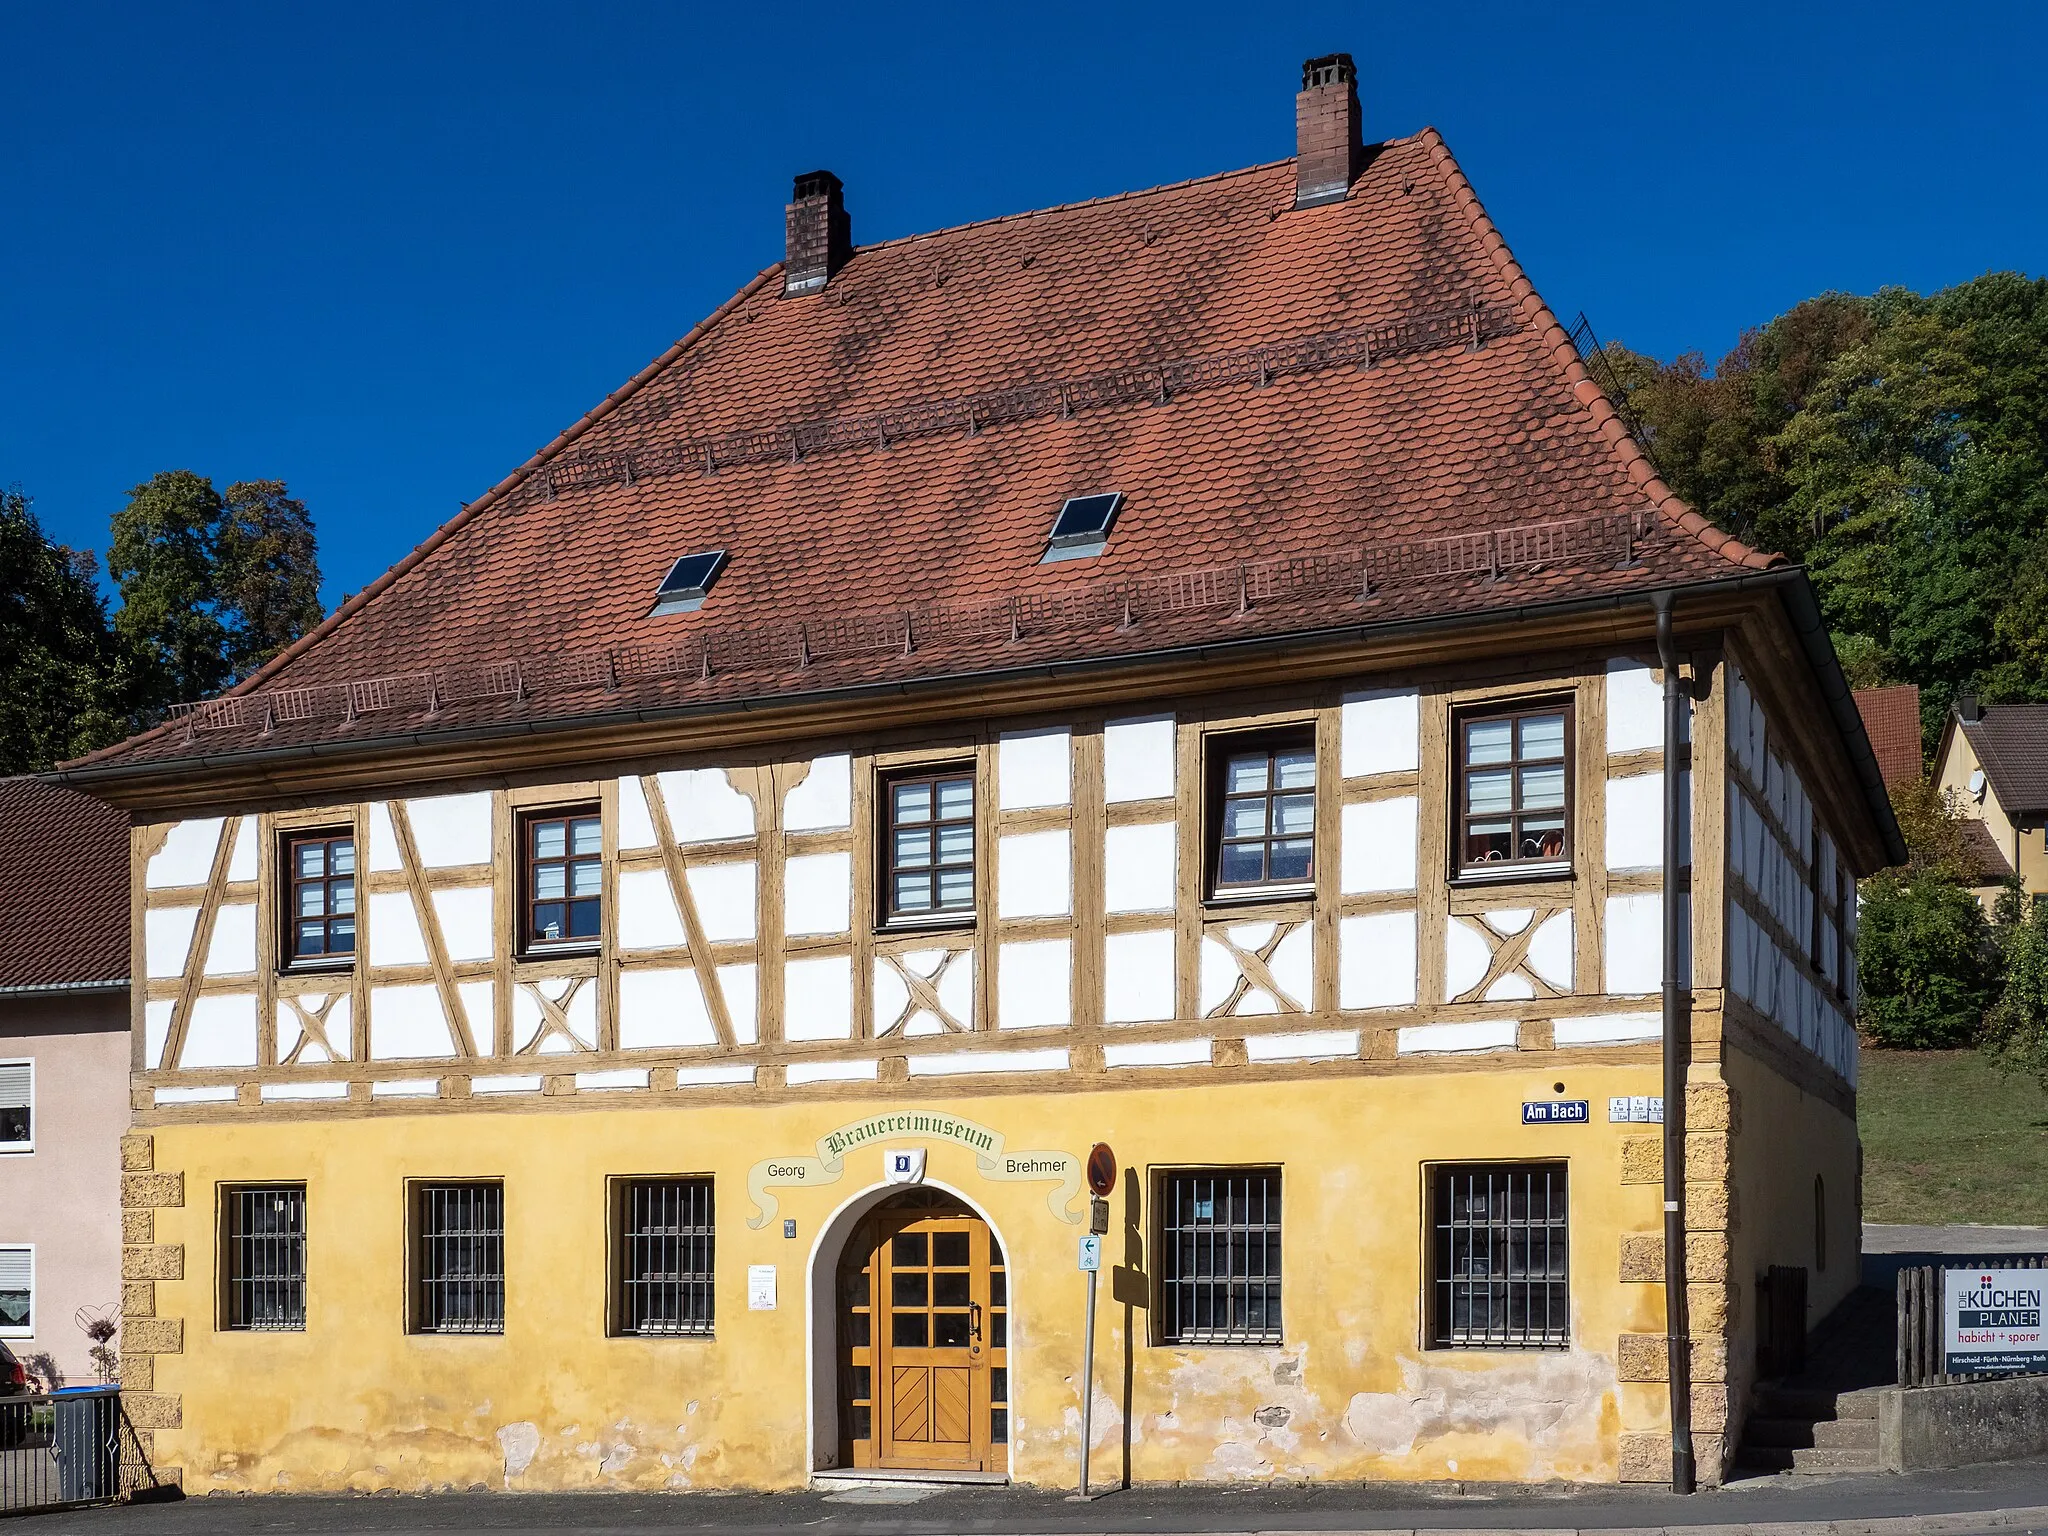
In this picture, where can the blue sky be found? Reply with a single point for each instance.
(385, 252)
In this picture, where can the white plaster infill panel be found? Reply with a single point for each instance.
(407, 1022)
(384, 854)
(703, 807)
(1608, 1029)
(1137, 759)
(965, 1063)
(272, 1093)
(156, 1030)
(738, 983)
(243, 861)
(1138, 977)
(1034, 984)
(224, 1094)
(395, 937)
(615, 1078)
(817, 894)
(1447, 1039)
(1466, 957)
(186, 858)
(1138, 868)
(1633, 945)
(817, 998)
(1033, 769)
(222, 1032)
(724, 896)
(1551, 953)
(800, 1073)
(1382, 732)
(451, 830)
(464, 914)
(1034, 875)
(1635, 707)
(1306, 1045)
(636, 822)
(647, 911)
(167, 940)
(662, 1008)
(522, 1082)
(1293, 967)
(1376, 960)
(823, 802)
(233, 950)
(1379, 846)
(1159, 1053)
(1635, 822)
(712, 1077)
(407, 1088)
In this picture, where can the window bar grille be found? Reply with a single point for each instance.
(1502, 1258)
(267, 1259)
(1222, 1258)
(462, 1258)
(668, 1269)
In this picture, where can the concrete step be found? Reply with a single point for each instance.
(1817, 1403)
(1828, 1460)
(1835, 1434)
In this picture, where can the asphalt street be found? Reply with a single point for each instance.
(1951, 1503)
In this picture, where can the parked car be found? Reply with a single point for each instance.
(14, 1416)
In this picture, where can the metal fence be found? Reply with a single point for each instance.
(1922, 1360)
(68, 1448)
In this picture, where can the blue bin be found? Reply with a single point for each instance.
(87, 1439)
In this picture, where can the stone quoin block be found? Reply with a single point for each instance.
(152, 1191)
(153, 1336)
(154, 1410)
(1709, 1358)
(136, 1373)
(1709, 1307)
(1710, 1107)
(1642, 1256)
(1642, 1357)
(1642, 1160)
(1709, 1206)
(1706, 1156)
(138, 1153)
(138, 1226)
(1706, 1256)
(160, 1261)
(138, 1299)
(1709, 1408)
(1646, 1457)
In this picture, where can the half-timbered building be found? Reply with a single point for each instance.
(627, 1000)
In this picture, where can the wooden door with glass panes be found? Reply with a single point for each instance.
(924, 1340)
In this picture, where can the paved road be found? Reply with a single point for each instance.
(1950, 1503)
(1879, 1238)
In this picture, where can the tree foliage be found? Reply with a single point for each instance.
(211, 585)
(1926, 960)
(1898, 445)
(61, 678)
(2016, 1027)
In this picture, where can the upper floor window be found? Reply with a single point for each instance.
(320, 909)
(561, 878)
(17, 1106)
(1514, 788)
(928, 845)
(1263, 795)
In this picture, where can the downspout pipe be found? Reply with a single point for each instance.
(1677, 1033)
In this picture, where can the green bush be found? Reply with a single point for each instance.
(2016, 1028)
(1926, 961)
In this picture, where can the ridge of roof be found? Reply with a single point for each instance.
(1584, 389)
(2011, 743)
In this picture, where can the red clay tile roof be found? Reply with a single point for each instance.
(63, 885)
(2011, 741)
(1892, 717)
(884, 459)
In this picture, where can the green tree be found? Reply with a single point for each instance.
(1925, 959)
(2016, 1027)
(61, 678)
(211, 585)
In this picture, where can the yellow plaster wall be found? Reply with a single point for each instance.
(355, 1402)
(2026, 851)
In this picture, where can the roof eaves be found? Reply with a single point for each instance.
(1589, 394)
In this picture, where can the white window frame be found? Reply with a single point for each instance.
(7, 1331)
(23, 1148)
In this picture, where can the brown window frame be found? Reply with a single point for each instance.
(1218, 750)
(289, 842)
(456, 1280)
(1515, 710)
(888, 916)
(1236, 1267)
(262, 1279)
(1503, 1289)
(532, 943)
(658, 1218)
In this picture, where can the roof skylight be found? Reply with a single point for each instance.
(1082, 527)
(682, 589)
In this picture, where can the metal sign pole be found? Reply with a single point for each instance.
(1101, 1180)
(1088, 1381)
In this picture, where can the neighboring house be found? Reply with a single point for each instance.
(627, 1000)
(1892, 717)
(64, 1068)
(1993, 766)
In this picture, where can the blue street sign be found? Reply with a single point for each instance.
(1556, 1112)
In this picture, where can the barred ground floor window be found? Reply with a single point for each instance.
(263, 1258)
(1499, 1256)
(1219, 1256)
(663, 1257)
(459, 1257)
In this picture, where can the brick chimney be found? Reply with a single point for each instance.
(1327, 148)
(820, 234)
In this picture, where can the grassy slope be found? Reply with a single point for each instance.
(1947, 1138)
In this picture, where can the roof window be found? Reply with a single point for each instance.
(1082, 527)
(682, 589)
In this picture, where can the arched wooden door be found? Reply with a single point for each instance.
(924, 1376)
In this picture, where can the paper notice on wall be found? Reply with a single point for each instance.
(760, 1287)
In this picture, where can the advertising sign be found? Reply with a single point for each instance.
(1991, 1320)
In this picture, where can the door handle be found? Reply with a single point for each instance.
(974, 1322)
